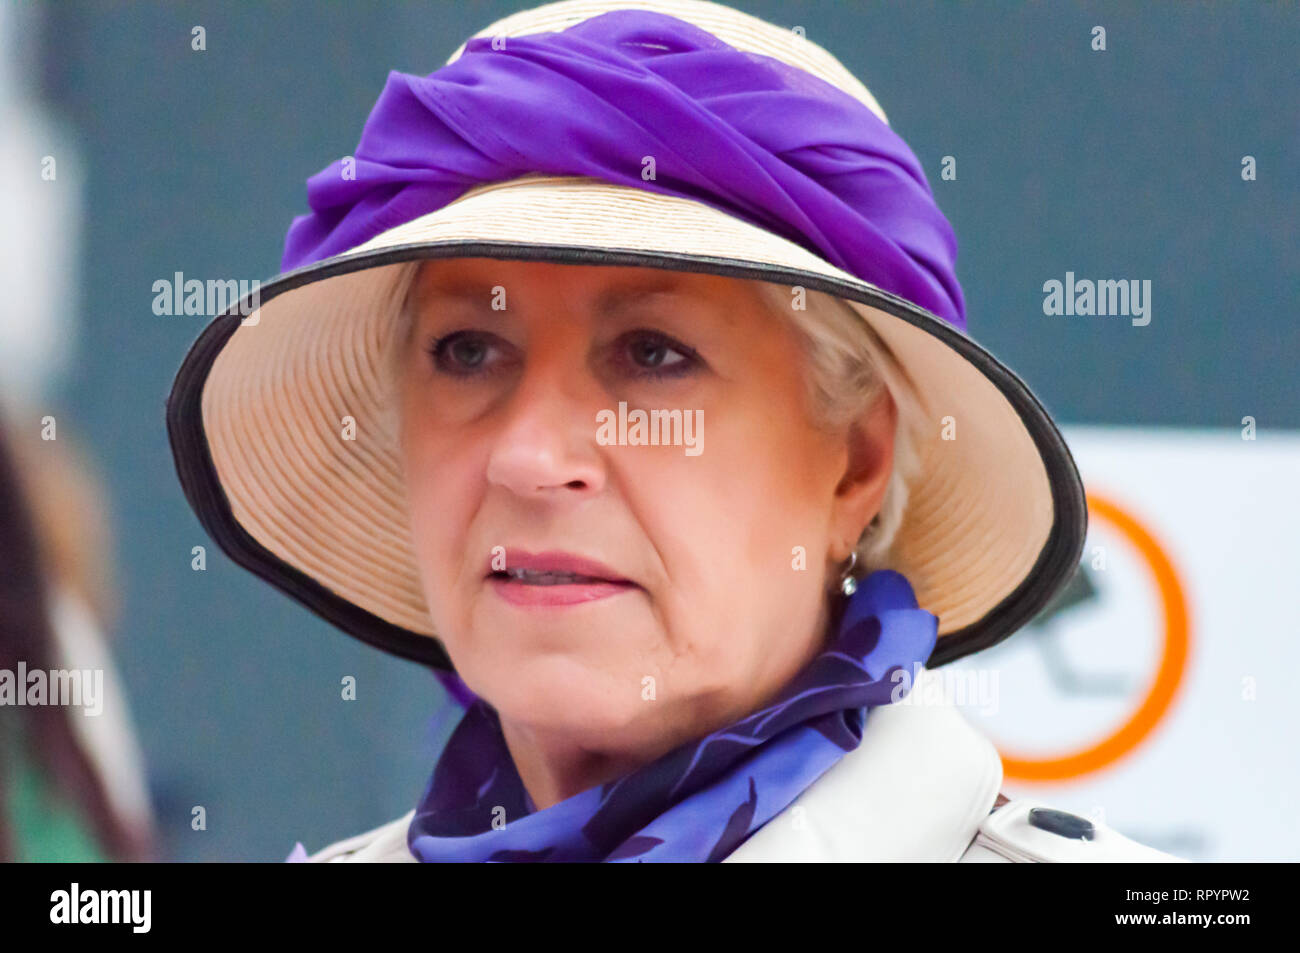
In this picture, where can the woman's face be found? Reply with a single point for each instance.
(686, 580)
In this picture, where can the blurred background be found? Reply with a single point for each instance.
(1152, 694)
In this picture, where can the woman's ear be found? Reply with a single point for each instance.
(868, 466)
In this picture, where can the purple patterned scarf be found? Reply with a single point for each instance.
(744, 133)
(702, 800)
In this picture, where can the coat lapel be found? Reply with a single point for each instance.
(915, 789)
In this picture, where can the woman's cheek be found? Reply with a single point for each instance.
(439, 517)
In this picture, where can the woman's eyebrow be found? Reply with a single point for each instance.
(468, 289)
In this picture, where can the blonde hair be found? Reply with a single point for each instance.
(848, 367)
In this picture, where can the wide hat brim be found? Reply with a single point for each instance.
(995, 520)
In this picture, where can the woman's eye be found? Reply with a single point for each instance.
(641, 353)
(657, 355)
(461, 352)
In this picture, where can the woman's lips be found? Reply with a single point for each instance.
(555, 579)
(522, 593)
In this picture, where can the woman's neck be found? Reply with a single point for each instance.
(554, 769)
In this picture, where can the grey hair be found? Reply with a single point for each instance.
(848, 367)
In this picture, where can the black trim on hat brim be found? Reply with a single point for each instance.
(1053, 568)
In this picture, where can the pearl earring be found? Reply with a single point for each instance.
(849, 585)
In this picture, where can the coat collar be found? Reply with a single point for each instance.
(916, 789)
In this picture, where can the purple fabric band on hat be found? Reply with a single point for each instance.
(747, 134)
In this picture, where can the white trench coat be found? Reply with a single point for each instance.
(922, 786)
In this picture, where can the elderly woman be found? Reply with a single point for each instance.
(622, 372)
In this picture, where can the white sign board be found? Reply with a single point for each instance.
(1161, 691)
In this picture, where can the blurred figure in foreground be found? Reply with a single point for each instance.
(71, 779)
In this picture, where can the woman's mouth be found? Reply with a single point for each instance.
(546, 578)
(554, 579)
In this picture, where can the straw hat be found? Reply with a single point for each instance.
(995, 520)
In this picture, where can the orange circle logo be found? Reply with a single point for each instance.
(1168, 677)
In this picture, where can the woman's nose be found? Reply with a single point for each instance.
(545, 447)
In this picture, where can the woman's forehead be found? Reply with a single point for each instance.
(608, 286)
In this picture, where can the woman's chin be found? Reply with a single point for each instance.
(589, 710)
